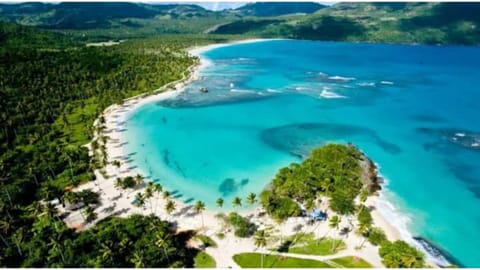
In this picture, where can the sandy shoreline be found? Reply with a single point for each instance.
(119, 203)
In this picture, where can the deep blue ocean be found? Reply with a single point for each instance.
(414, 110)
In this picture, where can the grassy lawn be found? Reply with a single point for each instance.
(203, 260)
(352, 262)
(252, 260)
(307, 244)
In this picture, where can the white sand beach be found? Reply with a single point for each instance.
(119, 202)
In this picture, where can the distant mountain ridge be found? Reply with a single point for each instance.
(84, 15)
(392, 22)
(269, 9)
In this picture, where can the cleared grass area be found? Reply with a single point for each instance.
(307, 244)
(203, 260)
(253, 260)
(352, 262)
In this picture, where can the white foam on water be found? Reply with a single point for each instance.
(242, 91)
(460, 134)
(330, 94)
(400, 220)
(367, 84)
(342, 79)
(322, 74)
(232, 85)
(273, 91)
(387, 82)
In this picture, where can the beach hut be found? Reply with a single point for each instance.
(318, 215)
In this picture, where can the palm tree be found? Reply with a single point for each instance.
(220, 202)
(170, 206)
(106, 251)
(363, 198)
(138, 179)
(252, 198)
(139, 200)
(149, 194)
(364, 195)
(280, 223)
(50, 211)
(90, 214)
(103, 139)
(260, 240)
(166, 195)
(138, 260)
(199, 208)
(5, 226)
(118, 183)
(310, 205)
(362, 231)
(162, 242)
(237, 202)
(334, 223)
(18, 238)
(157, 187)
(56, 246)
(35, 209)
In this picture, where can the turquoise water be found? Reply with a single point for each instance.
(413, 109)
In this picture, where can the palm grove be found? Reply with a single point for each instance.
(51, 90)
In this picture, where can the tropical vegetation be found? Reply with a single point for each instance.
(399, 254)
(52, 87)
(242, 226)
(332, 171)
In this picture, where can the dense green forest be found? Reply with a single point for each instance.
(397, 22)
(52, 87)
(332, 170)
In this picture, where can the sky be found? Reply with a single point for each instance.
(211, 5)
(226, 5)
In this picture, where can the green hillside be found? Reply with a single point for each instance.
(107, 20)
(430, 23)
(269, 9)
(393, 22)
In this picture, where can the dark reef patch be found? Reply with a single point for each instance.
(428, 118)
(463, 138)
(227, 187)
(300, 139)
(244, 182)
(466, 173)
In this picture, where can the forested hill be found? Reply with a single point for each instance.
(430, 23)
(16, 36)
(392, 22)
(269, 9)
(87, 15)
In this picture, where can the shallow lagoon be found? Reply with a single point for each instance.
(412, 109)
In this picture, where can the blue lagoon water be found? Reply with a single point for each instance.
(413, 109)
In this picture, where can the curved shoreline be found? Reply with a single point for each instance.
(115, 117)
